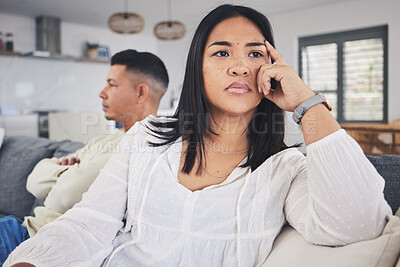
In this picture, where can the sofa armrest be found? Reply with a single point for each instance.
(290, 249)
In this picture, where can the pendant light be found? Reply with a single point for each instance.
(169, 30)
(126, 22)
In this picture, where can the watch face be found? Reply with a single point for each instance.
(326, 103)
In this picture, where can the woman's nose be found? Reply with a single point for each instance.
(238, 68)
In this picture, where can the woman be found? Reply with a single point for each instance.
(214, 185)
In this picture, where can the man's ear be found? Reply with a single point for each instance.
(143, 92)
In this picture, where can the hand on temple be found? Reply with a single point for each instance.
(291, 90)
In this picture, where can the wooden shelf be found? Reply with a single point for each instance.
(78, 60)
(93, 60)
(7, 53)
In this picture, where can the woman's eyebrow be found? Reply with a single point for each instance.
(225, 43)
(255, 44)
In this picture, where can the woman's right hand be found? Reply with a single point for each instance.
(291, 91)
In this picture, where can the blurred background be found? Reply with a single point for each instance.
(54, 58)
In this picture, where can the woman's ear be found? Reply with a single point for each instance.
(143, 92)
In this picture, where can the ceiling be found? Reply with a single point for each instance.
(96, 12)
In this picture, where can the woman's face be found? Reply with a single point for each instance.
(233, 54)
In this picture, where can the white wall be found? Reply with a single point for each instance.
(28, 84)
(84, 77)
(39, 84)
(341, 17)
(74, 35)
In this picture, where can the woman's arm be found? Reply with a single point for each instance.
(336, 197)
(317, 122)
(84, 234)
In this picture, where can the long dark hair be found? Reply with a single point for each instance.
(265, 130)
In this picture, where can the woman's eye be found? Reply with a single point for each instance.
(255, 54)
(221, 54)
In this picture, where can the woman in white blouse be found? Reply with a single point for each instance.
(214, 184)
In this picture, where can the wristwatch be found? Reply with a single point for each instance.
(299, 112)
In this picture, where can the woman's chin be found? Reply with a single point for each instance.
(234, 111)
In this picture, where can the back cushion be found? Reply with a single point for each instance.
(66, 147)
(389, 167)
(18, 156)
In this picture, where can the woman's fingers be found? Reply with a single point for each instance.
(266, 87)
(263, 79)
(264, 76)
(291, 90)
(276, 57)
(269, 71)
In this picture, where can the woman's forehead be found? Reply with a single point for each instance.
(235, 30)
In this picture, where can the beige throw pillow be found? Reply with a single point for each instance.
(290, 249)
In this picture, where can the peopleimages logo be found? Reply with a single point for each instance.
(91, 123)
(234, 124)
(94, 123)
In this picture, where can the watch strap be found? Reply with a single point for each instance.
(299, 112)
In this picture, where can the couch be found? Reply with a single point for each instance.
(290, 249)
(18, 156)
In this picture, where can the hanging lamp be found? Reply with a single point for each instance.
(126, 22)
(169, 30)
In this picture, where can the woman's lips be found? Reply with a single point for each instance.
(238, 88)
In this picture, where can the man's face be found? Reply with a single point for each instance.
(119, 96)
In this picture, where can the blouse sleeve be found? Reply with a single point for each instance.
(83, 235)
(337, 197)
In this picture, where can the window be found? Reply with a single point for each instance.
(350, 69)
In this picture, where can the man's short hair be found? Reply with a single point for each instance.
(142, 62)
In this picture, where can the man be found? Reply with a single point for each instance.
(135, 84)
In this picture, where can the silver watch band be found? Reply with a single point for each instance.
(298, 113)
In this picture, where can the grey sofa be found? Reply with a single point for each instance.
(18, 156)
(389, 167)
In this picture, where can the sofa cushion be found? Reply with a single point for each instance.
(291, 249)
(18, 156)
(67, 147)
(389, 167)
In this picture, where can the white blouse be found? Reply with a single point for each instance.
(137, 214)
